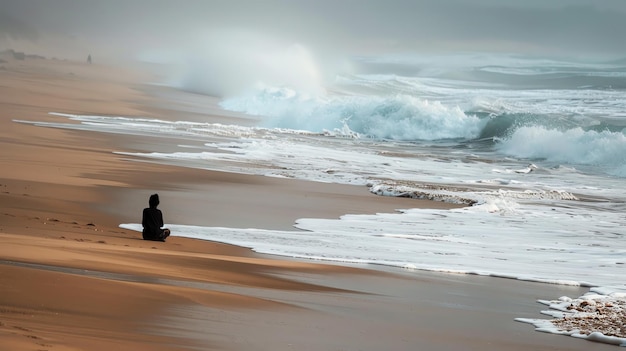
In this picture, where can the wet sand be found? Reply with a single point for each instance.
(71, 279)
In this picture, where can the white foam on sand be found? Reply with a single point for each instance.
(595, 316)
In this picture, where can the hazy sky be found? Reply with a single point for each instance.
(357, 27)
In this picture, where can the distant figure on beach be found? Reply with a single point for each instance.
(89, 59)
(152, 221)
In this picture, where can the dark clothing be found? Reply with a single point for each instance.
(152, 222)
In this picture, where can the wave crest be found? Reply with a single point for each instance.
(573, 146)
(399, 117)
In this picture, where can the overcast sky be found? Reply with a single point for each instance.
(356, 27)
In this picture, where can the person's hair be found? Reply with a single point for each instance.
(154, 200)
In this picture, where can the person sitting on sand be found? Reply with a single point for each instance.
(152, 221)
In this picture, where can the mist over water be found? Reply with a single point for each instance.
(515, 105)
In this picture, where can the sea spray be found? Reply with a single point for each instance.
(230, 62)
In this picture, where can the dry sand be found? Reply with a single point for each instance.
(71, 279)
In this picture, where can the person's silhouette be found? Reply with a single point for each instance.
(152, 221)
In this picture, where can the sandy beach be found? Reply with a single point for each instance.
(71, 279)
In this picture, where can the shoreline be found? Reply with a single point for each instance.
(64, 194)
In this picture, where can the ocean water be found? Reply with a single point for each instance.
(535, 147)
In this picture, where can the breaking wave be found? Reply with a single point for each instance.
(399, 117)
